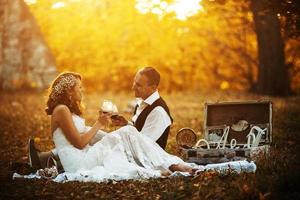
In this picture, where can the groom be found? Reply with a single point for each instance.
(151, 115)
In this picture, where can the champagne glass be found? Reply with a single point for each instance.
(107, 106)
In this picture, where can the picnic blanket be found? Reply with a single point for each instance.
(100, 174)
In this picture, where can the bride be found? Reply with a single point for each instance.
(125, 151)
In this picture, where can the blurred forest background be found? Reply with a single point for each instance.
(244, 45)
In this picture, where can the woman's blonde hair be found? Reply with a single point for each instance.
(58, 93)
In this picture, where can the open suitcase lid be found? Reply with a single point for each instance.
(221, 114)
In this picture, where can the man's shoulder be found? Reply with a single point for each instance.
(160, 102)
(160, 115)
(159, 110)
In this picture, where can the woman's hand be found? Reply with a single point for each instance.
(103, 119)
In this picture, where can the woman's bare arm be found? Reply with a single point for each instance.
(63, 117)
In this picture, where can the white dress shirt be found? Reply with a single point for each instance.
(158, 119)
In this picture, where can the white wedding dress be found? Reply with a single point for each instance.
(121, 154)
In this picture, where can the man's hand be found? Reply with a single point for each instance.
(118, 120)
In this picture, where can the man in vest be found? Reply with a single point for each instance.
(151, 116)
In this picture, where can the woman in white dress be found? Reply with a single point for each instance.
(124, 152)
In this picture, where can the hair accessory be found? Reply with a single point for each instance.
(65, 83)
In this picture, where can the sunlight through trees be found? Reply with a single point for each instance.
(195, 44)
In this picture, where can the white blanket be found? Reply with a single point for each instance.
(99, 174)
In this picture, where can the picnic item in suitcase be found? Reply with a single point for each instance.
(232, 131)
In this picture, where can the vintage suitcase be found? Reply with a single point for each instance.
(232, 131)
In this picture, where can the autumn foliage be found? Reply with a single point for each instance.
(107, 41)
(213, 47)
(22, 116)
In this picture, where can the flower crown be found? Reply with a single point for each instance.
(65, 83)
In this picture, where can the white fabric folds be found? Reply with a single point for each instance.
(99, 174)
(121, 155)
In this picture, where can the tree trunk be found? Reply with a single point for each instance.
(25, 58)
(272, 73)
(2, 28)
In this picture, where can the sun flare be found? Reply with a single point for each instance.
(29, 2)
(182, 8)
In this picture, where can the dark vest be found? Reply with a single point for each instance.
(140, 121)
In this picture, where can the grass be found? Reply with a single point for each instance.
(277, 177)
